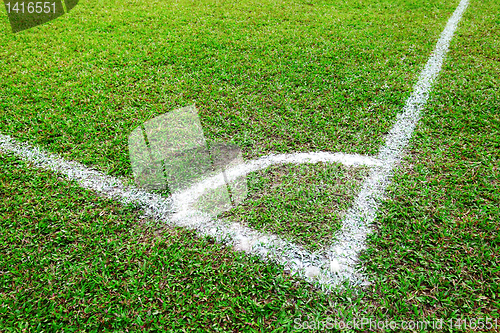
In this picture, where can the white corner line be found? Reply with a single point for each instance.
(268, 246)
(191, 194)
(356, 225)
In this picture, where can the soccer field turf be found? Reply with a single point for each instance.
(270, 77)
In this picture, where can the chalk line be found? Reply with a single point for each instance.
(268, 246)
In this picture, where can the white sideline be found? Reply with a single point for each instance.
(356, 225)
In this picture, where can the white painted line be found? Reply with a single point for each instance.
(335, 265)
(87, 178)
(172, 211)
(356, 224)
(190, 195)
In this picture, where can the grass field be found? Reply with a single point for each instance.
(304, 202)
(270, 77)
(261, 74)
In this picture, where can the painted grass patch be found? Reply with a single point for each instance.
(304, 203)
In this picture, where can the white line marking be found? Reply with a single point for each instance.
(356, 225)
(184, 198)
(267, 245)
(87, 178)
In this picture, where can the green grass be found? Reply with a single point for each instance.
(304, 203)
(75, 261)
(267, 76)
(436, 252)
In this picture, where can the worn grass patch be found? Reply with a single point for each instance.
(304, 203)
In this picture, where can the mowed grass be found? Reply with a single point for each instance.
(75, 262)
(268, 76)
(302, 203)
(435, 252)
